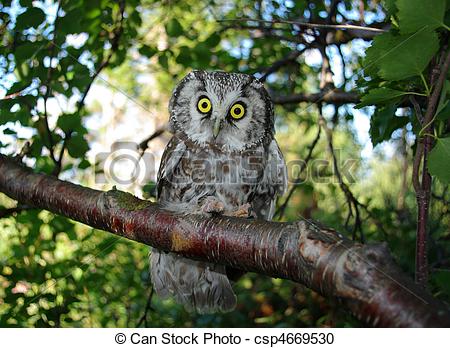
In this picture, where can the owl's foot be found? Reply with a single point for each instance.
(242, 211)
(212, 205)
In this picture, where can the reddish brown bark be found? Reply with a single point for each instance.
(424, 146)
(363, 277)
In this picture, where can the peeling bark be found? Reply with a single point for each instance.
(364, 277)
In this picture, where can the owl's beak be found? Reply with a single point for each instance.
(216, 128)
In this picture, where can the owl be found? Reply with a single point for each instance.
(222, 159)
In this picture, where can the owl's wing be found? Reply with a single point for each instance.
(273, 183)
(172, 155)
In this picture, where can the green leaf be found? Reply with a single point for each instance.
(417, 14)
(213, 40)
(202, 55)
(442, 278)
(69, 122)
(84, 164)
(26, 50)
(23, 116)
(439, 160)
(59, 87)
(174, 28)
(397, 57)
(5, 117)
(36, 147)
(389, 5)
(32, 17)
(8, 131)
(383, 122)
(184, 57)
(147, 51)
(163, 61)
(18, 86)
(444, 113)
(71, 22)
(149, 190)
(77, 146)
(379, 96)
(26, 3)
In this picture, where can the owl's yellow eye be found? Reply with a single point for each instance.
(237, 111)
(204, 105)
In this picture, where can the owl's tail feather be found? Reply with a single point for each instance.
(199, 286)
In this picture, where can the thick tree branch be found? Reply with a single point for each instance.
(364, 277)
(336, 97)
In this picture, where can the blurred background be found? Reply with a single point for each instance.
(84, 81)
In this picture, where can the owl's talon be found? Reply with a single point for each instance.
(213, 205)
(242, 211)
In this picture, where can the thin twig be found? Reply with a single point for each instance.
(58, 163)
(148, 308)
(417, 109)
(51, 144)
(306, 24)
(344, 65)
(281, 210)
(352, 202)
(289, 58)
(335, 96)
(144, 143)
(143, 146)
(13, 95)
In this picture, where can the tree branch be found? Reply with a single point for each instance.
(143, 145)
(337, 37)
(352, 202)
(424, 145)
(51, 145)
(335, 96)
(309, 25)
(364, 277)
(288, 59)
(280, 212)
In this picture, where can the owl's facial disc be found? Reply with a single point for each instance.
(215, 116)
(232, 111)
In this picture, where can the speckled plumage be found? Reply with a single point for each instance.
(241, 166)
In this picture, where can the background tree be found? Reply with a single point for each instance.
(54, 55)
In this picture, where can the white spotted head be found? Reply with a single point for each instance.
(226, 110)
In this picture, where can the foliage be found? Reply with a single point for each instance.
(417, 30)
(55, 272)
